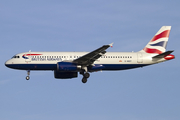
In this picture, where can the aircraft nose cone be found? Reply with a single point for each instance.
(7, 63)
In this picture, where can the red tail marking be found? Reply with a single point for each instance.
(161, 35)
(149, 50)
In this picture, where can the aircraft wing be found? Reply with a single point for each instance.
(89, 58)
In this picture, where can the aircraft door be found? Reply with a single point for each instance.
(139, 58)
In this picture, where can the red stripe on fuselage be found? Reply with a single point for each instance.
(31, 54)
(161, 35)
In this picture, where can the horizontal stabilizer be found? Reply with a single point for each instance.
(162, 55)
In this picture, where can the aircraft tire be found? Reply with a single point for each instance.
(27, 77)
(86, 75)
(84, 80)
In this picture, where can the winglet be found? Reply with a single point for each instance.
(111, 45)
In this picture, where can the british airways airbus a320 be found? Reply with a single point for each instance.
(67, 64)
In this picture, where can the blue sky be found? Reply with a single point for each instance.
(145, 93)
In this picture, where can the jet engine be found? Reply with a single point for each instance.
(65, 75)
(68, 67)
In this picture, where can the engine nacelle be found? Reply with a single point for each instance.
(68, 67)
(65, 75)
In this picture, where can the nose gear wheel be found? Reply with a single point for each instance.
(28, 73)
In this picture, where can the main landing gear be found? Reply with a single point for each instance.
(28, 73)
(85, 74)
(85, 77)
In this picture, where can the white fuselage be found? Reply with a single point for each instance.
(49, 60)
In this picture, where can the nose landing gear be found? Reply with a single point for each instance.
(28, 73)
(27, 77)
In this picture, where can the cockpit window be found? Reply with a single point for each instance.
(15, 57)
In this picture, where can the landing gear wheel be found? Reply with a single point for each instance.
(27, 77)
(86, 75)
(84, 80)
(28, 73)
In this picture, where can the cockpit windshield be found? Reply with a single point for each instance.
(15, 57)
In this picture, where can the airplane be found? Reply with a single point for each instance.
(67, 65)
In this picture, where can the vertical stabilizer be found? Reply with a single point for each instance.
(159, 41)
